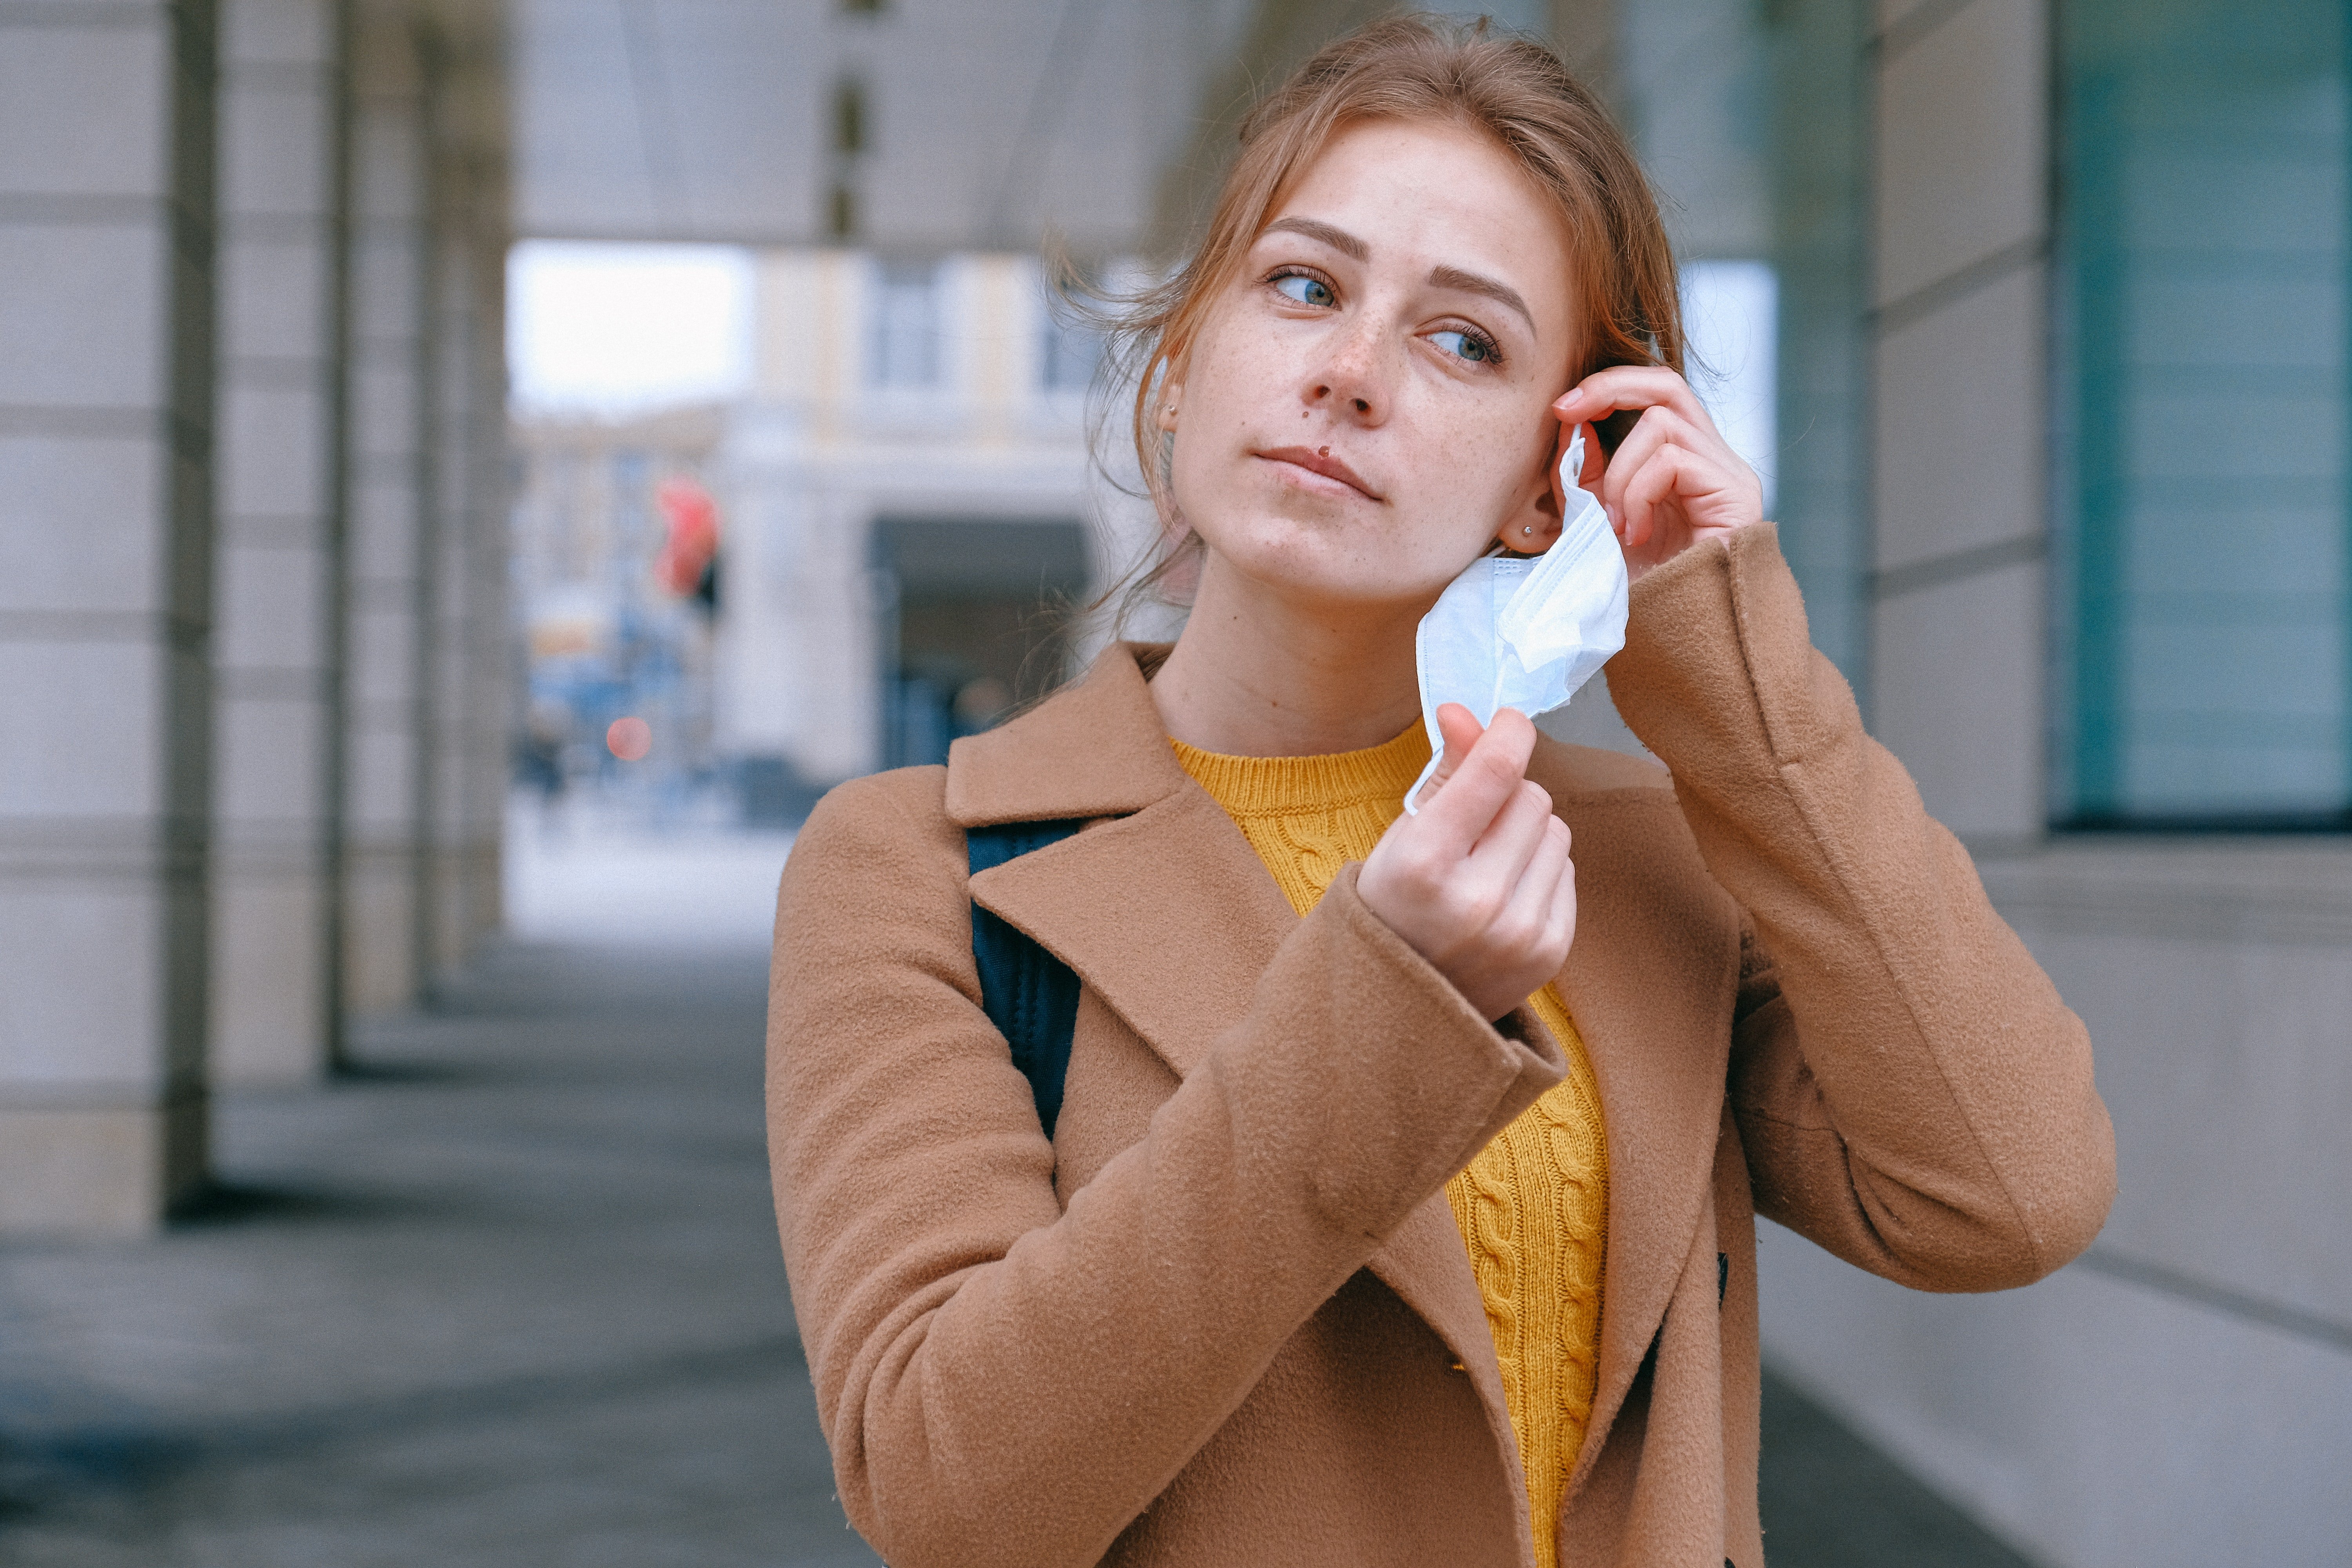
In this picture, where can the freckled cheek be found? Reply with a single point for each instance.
(1236, 369)
(1468, 460)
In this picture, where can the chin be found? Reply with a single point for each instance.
(1328, 562)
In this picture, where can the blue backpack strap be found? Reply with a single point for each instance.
(1029, 994)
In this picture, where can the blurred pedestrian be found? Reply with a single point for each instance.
(1218, 1166)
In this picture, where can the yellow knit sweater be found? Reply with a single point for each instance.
(1534, 1204)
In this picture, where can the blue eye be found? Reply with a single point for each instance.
(1476, 350)
(1305, 290)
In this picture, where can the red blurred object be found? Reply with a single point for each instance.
(693, 518)
(630, 738)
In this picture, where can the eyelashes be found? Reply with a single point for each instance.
(1472, 344)
(1310, 283)
(1489, 350)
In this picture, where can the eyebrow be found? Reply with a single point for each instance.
(1471, 283)
(1339, 239)
(1348, 244)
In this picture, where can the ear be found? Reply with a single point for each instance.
(1533, 522)
(1171, 394)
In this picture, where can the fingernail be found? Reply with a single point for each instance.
(1570, 398)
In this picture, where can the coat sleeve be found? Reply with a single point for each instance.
(1003, 1381)
(1911, 1091)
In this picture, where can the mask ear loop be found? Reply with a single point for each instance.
(1410, 808)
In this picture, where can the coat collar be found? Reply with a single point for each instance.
(1095, 749)
(1179, 877)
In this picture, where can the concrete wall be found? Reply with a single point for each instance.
(107, 227)
(2183, 1395)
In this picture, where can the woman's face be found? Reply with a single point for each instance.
(1368, 404)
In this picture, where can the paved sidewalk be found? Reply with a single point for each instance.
(511, 1295)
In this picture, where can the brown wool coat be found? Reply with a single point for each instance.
(1224, 1318)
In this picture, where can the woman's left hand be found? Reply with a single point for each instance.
(1674, 481)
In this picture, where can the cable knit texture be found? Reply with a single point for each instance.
(1533, 1206)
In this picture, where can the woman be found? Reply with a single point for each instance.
(1399, 1206)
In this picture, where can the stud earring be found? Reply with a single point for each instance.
(1526, 528)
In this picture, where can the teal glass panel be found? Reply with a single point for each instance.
(2201, 654)
(1821, 201)
(1751, 116)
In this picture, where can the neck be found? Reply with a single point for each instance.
(1257, 674)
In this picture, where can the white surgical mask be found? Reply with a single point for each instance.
(1525, 634)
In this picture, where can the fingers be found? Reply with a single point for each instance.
(1530, 927)
(1668, 474)
(1632, 386)
(1474, 883)
(1559, 929)
(1659, 477)
(1481, 782)
(1659, 429)
(1673, 420)
(1460, 729)
(1499, 860)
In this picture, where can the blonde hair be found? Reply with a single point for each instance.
(1415, 68)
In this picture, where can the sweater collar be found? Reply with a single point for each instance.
(1282, 786)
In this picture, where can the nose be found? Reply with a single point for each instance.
(1353, 383)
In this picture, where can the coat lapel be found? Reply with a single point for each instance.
(1170, 873)
(1658, 1036)
(1093, 749)
(1119, 900)
(1425, 1263)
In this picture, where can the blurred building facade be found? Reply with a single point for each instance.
(909, 497)
(2059, 297)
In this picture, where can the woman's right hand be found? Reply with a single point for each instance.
(1479, 882)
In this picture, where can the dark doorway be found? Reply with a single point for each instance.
(975, 624)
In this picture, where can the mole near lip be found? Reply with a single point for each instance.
(1318, 462)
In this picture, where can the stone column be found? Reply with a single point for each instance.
(275, 651)
(489, 718)
(468, 717)
(386, 588)
(107, 130)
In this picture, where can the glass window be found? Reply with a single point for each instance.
(906, 335)
(2201, 655)
(1750, 120)
(1814, 100)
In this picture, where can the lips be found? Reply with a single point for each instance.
(1320, 461)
